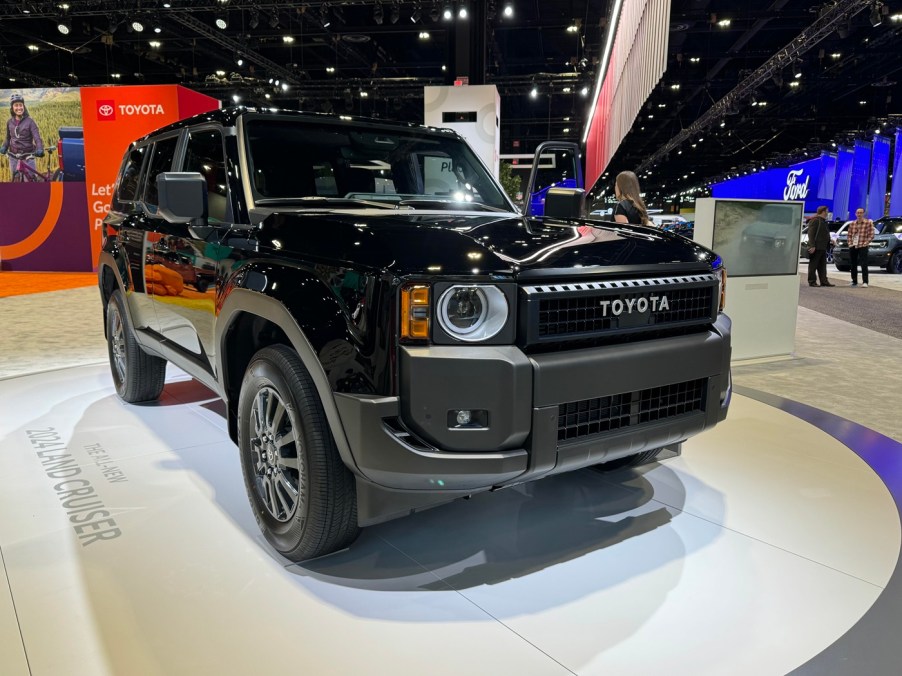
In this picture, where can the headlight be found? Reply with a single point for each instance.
(472, 313)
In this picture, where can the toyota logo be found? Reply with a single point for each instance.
(106, 110)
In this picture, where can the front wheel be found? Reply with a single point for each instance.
(138, 376)
(629, 460)
(895, 263)
(302, 495)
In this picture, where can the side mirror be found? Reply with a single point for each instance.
(182, 197)
(567, 203)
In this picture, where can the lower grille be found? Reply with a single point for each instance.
(579, 419)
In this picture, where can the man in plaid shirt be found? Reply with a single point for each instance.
(861, 232)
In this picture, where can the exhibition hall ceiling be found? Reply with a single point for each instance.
(374, 57)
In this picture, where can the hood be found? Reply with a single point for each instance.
(427, 243)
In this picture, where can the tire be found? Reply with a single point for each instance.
(629, 460)
(301, 493)
(844, 268)
(201, 285)
(138, 376)
(895, 263)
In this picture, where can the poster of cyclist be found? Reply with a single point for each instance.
(43, 218)
(30, 143)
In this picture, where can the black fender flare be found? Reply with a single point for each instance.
(240, 301)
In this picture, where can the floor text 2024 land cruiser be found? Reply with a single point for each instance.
(386, 330)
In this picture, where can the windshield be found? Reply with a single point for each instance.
(343, 161)
(888, 226)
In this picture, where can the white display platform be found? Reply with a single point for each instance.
(751, 553)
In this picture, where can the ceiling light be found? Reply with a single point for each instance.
(675, 87)
(533, 93)
(794, 84)
(694, 59)
(447, 14)
(155, 44)
(330, 69)
(566, 130)
(797, 70)
(274, 19)
(236, 98)
(363, 95)
(33, 48)
(64, 25)
(724, 23)
(835, 55)
(416, 14)
(572, 28)
(395, 12)
(862, 103)
(138, 26)
(896, 17)
(424, 35)
(462, 11)
(378, 15)
(222, 20)
(508, 10)
(584, 91)
(116, 76)
(254, 21)
(287, 39)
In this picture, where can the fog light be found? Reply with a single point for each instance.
(465, 418)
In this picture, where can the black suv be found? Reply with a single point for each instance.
(884, 251)
(386, 330)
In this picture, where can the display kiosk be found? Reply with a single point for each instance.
(759, 243)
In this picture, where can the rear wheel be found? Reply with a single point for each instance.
(138, 376)
(844, 268)
(629, 461)
(895, 263)
(302, 495)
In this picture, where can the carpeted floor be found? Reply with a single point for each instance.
(22, 283)
(876, 308)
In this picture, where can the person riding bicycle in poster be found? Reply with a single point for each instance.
(22, 135)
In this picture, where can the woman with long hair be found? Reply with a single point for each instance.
(630, 207)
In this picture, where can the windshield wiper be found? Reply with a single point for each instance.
(331, 201)
(449, 204)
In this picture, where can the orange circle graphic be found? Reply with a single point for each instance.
(42, 232)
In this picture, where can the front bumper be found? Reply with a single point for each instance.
(546, 414)
(876, 257)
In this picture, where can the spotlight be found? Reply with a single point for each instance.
(64, 25)
(447, 14)
(138, 25)
(221, 21)
(254, 21)
(435, 13)
(797, 70)
(378, 16)
(462, 11)
(508, 10)
(395, 12)
(416, 14)
(274, 19)
(324, 15)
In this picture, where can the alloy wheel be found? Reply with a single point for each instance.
(117, 344)
(276, 456)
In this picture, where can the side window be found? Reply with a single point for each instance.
(160, 160)
(204, 154)
(131, 171)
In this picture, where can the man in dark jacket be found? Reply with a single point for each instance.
(818, 244)
(22, 135)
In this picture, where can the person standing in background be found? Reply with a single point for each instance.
(630, 207)
(861, 232)
(818, 243)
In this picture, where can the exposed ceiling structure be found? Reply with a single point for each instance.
(373, 57)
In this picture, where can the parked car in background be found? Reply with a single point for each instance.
(884, 251)
(665, 220)
(835, 227)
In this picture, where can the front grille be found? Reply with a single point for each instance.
(580, 419)
(576, 311)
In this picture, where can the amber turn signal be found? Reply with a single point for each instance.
(415, 311)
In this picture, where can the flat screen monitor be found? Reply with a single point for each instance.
(757, 238)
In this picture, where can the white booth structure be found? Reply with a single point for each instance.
(473, 111)
(759, 243)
